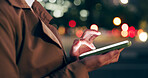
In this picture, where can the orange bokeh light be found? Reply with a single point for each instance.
(124, 33)
(79, 33)
(117, 21)
(140, 31)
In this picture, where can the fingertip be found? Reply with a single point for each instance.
(95, 32)
(98, 33)
(120, 50)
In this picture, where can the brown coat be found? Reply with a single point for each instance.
(29, 46)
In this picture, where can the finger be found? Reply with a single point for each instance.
(77, 45)
(109, 55)
(120, 50)
(115, 59)
(90, 45)
(90, 35)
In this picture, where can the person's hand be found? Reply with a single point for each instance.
(94, 62)
(84, 44)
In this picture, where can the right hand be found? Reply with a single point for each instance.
(94, 62)
(84, 44)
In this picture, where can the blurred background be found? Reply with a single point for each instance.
(117, 20)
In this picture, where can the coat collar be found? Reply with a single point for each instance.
(39, 10)
(44, 16)
(19, 3)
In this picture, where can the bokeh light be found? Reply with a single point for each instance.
(124, 1)
(124, 33)
(57, 13)
(79, 33)
(60, 2)
(143, 36)
(84, 13)
(140, 31)
(67, 3)
(39, 0)
(117, 21)
(124, 27)
(61, 30)
(94, 27)
(83, 18)
(52, 1)
(77, 2)
(132, 32)
(72, 23)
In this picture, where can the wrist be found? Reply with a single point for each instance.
(82, 61)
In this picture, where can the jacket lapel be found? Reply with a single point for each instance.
(43, 15)
(45, 18)
(50, 34)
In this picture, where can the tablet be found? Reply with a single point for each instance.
(115, 46)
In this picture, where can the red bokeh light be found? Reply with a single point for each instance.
(132, 32)
(79, 33)
(72, 23)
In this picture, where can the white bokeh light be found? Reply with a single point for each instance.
(143, 36)
(124, 1)
(77, 2)
(57, 13)
(84, 13)
(52, 1)
(39, 0)
(94, 27)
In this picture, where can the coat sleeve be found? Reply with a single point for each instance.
(72, 70)
(8, 67)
